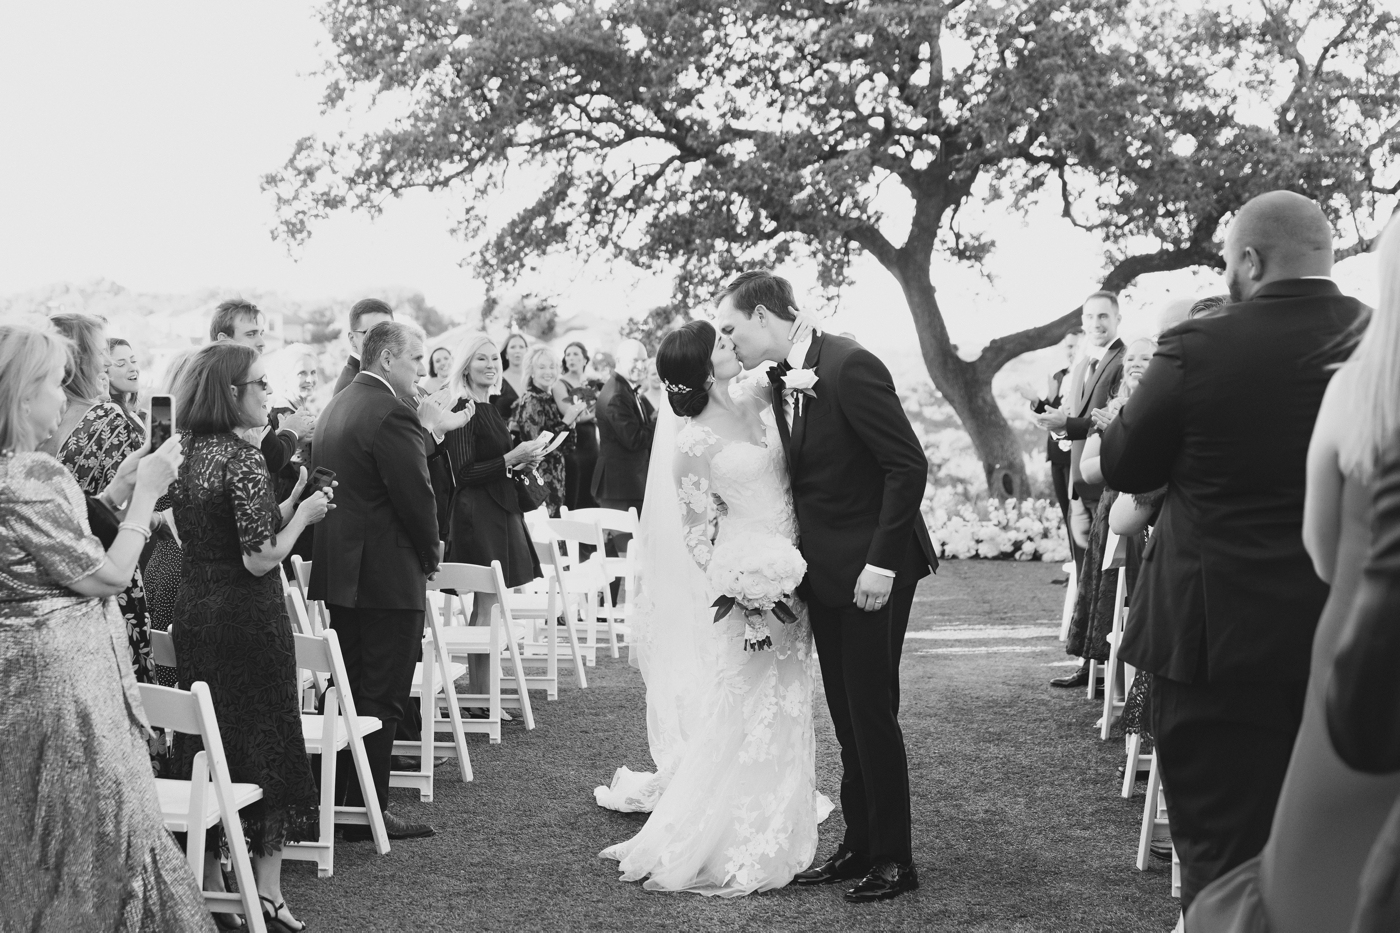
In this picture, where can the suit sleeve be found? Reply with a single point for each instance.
(1363, 696)
(871, 405)
(1140, 446)
(403, 465)
(1077, 429)
(632, 431)
(278, 448)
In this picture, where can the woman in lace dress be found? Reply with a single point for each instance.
(539, 411)
(82, 842)
(232, 629)
(93, 439)
(734, 805)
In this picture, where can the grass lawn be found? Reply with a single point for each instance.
(1018, 825)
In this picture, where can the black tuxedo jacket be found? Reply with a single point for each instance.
(624, 443)
(375, 549)
(1223, 416)
(347, 374)
(1097, 390)
(857, 472)
(1054, 453)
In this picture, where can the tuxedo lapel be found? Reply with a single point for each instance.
(799, 417)
(1092, 382)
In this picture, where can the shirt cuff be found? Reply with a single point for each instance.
(880, 570)
(295, 435)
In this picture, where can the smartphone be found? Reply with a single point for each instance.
(320, 478)
(161, 418)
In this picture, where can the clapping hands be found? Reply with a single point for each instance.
(435, 413)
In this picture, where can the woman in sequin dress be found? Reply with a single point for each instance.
(82, 842)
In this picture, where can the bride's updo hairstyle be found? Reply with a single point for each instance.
(683, 363)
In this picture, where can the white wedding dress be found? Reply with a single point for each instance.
(734, 805)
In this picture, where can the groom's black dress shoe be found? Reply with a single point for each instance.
(886, 880)
(1079, 678)
(397, 828)
(842, 866)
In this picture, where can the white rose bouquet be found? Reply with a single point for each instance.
(757, 573)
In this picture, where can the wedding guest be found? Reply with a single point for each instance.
(365, 314)
(1056, 451)
(92, 439)
(241, 322)
(624, 436)
(439, 363)
(539, 411)
(1092, 620)
(1209, 306)
(162, 571)
(301, 378)
(602, 367)
(512, 383)
(233, 630)
(1093, 382)
(124, 380)
(83, 844)
(487, 521)
(1228, 603)
(375, 552)
(1309, 875)
(652, 392)
(573, 388)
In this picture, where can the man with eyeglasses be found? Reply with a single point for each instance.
(365, 314)
(241, 322)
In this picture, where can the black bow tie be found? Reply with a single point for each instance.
(778, 371)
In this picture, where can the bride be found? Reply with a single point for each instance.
(734, 805)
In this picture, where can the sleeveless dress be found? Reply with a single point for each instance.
(82, 842)
(1328, 817)
(738, 812)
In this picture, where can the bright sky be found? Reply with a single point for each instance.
(136, 134)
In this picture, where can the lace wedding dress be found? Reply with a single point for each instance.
(734, 806)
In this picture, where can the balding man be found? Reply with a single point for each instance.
(1227, 601)
(624, 433)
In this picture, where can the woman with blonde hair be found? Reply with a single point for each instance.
(82, 841)
(1329, 814)
(92, 440)
(485, 520)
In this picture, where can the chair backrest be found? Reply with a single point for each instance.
(163, 649)
(302, 620)
(301, 569)
(190, 712)
(469, 578)
(607, 519)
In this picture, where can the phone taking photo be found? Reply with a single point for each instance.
(161, 418)
(320, 478)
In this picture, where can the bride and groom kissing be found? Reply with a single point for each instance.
(814, 477)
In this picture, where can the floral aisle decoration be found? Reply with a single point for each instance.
(996, 529)
(756, 573)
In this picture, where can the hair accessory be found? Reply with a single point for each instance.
(675, 389)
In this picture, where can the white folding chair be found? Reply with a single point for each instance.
(316, 610)
(585, 581)
(1136, 759)
(1071, 594)
(433, 677)
(622, 568)
(337, 727)
(542, 603)
(163, 648)
(1115, 679)
(1154, 815)
(500, 638)
(188, 807)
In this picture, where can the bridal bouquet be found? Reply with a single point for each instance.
(756, 573)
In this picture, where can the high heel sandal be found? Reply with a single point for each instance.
(229, 922)
(276, 924)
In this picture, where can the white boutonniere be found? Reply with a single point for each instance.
(801, 380)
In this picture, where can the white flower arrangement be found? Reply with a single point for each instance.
(757, 573)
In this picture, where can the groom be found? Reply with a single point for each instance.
(858, 474)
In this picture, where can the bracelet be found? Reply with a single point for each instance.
(142, 530)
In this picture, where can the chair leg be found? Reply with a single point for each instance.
(1134, 747)
(521, 687)
(1093, 678)
(574, 650)
(1071, 591)
(454, 718)
(1149, 816)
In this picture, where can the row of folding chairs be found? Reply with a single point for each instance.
(1117, 679)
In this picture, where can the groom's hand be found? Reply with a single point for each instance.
(873, 590)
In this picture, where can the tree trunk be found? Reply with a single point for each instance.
(966, 386)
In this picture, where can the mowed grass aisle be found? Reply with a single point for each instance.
(1018, 825)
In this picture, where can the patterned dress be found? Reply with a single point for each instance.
(162, 579)
(101, 441)
(535, 413)
(232, 632)
(82, 842)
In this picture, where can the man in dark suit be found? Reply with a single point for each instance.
(241, 322)
(372, 563)
(1057, 450)
(624, 434)
(1093, 382)
(1226, 602)
(364, 315)
(858, 474)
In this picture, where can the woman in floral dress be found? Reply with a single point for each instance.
(539, 411)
